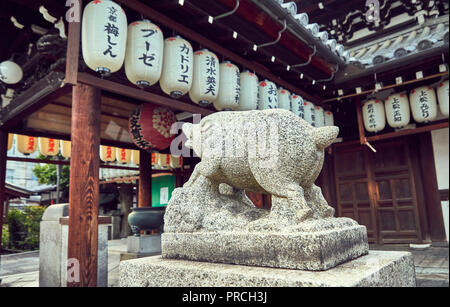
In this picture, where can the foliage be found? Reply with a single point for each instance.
(5, 236)
(23, 228)
(47, 174)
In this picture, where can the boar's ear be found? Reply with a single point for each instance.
(324, 136)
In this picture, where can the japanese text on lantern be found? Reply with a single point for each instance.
(51, 145)
(123, 154)
(313, 116)
(108, 152)
(111, 30)
(272, 100)
(238, 87)
(211, 72)
(424, 107)
(396, 107)
(301, 109)
(30, 143)
(184, 77)
(147, 58)
(371, 110)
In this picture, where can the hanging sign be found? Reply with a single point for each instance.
(374, 116)
(249, 97)
(144, 53)
(397, 110)
(205, 83)
(229, 88)
(423, 104)
(104, 36)
(177, 71)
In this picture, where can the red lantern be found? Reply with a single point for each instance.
(150, 125)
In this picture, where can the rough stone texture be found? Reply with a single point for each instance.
(50, 246)
(145, 244)
(303, 249)
(272, 152)
(53, 249)
(377, 269)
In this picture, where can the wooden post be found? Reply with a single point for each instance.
(145, 180)
(3, 150)
(84, 186)
(431, 188)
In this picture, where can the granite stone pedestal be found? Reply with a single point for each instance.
(377, 269)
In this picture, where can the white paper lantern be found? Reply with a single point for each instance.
(135, 157)
(374, 116)
(49, 147)
(26, 144)
(178, 68)
(104, 36)
(229, 87)
(443, 94)
(249, 97)
(319, 116)
(107, 153)
(284, 99)
(297, 105)
(10, 72)
(205, 83)
(397, 110)
(268, 95)
(66, 149)
(176, 162)
(144, 53)
(10, 141)
(123, 155)
(329, 118)
(310, 113)
(163, 161)
(423, 104)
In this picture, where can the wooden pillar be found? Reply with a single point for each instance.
(84, 184)
(3, 150)
(431, 189)
(145, 180)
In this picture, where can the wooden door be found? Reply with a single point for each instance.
(379, 190)
(395, 193)
(353, 189)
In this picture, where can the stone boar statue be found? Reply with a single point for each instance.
(271, 152)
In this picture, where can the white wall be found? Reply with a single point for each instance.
(441, 158)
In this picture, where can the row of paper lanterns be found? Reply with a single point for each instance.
(107, 44)
(52, 147)
(397, 108)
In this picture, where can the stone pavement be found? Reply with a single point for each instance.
(22, 270)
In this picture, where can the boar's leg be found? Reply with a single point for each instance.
(236, 194)
(206, 168)
(315, 200)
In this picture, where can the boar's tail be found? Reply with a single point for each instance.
(187, 129)
(324, 136)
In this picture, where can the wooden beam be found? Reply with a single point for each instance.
(63, 162)
(144, 96)
(84, 184)
(392, 135)
(190, 34)
(3, 150)
(73, 49)
(145, 179)
(37, 96)
(442, 74)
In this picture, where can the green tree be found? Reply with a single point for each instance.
(47, 174)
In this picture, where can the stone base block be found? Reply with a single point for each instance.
(377, 269)
(130, 256)
(316, 250)
(145, 244)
